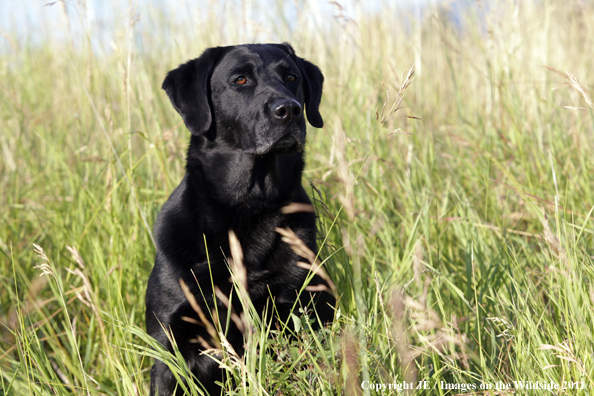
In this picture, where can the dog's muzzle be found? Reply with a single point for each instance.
(288, 143)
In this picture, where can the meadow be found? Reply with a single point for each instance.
(453, 180)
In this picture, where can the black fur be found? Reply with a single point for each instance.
(244, 164)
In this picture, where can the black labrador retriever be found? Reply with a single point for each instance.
(244, 106)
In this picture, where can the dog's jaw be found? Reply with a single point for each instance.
(287, 144)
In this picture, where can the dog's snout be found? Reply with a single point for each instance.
(286, 109)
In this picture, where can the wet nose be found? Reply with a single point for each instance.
(286, 110)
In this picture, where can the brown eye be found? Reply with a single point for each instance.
(291, 77)
(240, 80)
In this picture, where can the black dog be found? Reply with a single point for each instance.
(244, 107)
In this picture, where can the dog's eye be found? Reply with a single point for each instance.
(291, 77)
(240, 80)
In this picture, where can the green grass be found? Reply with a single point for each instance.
(461, 245)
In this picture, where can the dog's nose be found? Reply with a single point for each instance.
(286, 110)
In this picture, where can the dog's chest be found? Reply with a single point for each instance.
(271, 265)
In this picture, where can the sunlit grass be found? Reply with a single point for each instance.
(457, 230)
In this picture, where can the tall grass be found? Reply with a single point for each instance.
(457, 229)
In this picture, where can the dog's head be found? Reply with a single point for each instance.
(251, 97)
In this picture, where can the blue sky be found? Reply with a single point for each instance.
(33, 20)
(18, 15)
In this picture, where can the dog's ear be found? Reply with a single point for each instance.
(312, 85)
(313, 80)
(189, 91)
(313, 91)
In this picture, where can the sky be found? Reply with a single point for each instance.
(33, 20)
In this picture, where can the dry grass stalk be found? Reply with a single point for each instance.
(87, 299)
(46, 269)
(87, 296)
(239, 275)
(345, 176)
(552, 241)
(229, 360)
(400, 336)
(234, 317)
(506, 325)
(9, 158)
(564, 352)
(191, 320)
(199, 340)
(432, 335)
(196, 307)
(339, 144)
(301, 249)
(575, 83)
(348, 248)
(379, 291)
(418, 261)
(426, 319)
(350, 353)
(237, 263)
(61, 375)
(297, 245)
(30, 305)
(405, 81)
(296, 207)
(11, 320)
(316, 288)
